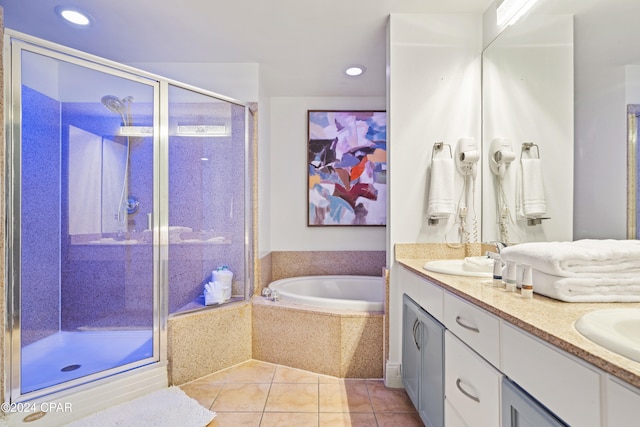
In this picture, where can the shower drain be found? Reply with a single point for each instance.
(69, 368)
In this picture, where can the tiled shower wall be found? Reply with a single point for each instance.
(41, 217)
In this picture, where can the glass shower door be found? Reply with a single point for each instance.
(85, 298)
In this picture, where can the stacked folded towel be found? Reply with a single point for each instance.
(441, 196)
(586, 270)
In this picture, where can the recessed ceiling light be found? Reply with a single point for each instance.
(74, 16)
(354, 70)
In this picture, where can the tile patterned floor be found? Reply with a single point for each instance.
(260, 394)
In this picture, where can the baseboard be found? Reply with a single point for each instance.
(393, 375)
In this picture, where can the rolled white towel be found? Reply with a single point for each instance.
(587, 258)
(441, 198)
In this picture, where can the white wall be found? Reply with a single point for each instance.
(433, 95)
(288, 181)
(264, 172)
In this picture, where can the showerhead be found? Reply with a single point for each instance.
(117, 105)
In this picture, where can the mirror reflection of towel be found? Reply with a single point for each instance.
(530, 200)
(441, 196)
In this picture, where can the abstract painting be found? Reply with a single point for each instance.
(347, 162)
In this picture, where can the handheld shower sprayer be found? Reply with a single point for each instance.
(123, 107)
(120, 106)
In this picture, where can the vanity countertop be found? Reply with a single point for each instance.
(546, 318)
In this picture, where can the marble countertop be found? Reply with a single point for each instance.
(546, 318)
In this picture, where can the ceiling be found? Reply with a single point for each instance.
(302, 47)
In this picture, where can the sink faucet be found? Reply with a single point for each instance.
(499, 247)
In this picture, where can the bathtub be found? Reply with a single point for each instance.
(360, 293)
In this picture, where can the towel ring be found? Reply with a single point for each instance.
(527, 146)
(439, 146)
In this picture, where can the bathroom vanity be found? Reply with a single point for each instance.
(505, 354)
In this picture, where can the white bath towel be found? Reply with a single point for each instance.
(571, 289)
(441, 197)
(530, 200)
(587, 258)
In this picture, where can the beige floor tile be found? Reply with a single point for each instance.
(202, 391)
(346, 419)
(328, 379)
(386, 399)
(291, 375)
(396, 419)
(284, 397)
(350, 396)
(236, 419)
(241, 397)
(252, 371)
(289, 419)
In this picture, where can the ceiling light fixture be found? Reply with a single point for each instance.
(355, 70)
(509, 11)
(74, 16)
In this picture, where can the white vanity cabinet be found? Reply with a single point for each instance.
(495, 371)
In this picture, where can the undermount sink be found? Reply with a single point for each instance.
(616, 329)
(479, 266)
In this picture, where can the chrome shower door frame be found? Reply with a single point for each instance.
(15, 44)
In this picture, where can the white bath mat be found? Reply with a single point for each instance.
(169, 407)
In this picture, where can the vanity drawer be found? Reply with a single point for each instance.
(559, 381)
(426, 294)
(477, 328)
(472, 386)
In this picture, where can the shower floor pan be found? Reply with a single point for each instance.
(66, 356)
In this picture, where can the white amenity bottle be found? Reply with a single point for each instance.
(225, 276)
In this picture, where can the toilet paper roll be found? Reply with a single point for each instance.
(471, 156)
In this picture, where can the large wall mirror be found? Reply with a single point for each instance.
(528, 137)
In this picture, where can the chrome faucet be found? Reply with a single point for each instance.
(499, 247)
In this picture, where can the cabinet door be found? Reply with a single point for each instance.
(411, 349)
(521, 410)
(431, 406)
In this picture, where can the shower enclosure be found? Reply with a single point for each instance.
(124, 191)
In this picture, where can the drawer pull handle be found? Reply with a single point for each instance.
(466, 393)
(461, 323)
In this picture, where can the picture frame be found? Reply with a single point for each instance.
(347, 167)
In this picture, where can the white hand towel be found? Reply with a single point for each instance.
(586, 258)
(441, 197)
(530, 200)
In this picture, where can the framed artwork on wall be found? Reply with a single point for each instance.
(347, 168)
